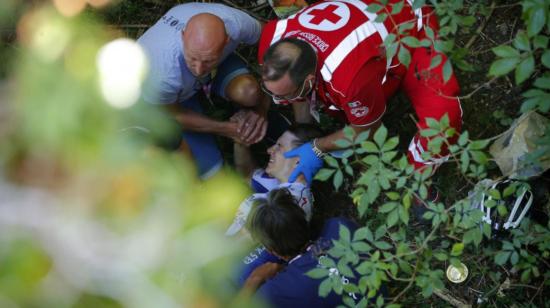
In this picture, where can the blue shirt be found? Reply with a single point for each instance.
(292, 288)
(169, 79)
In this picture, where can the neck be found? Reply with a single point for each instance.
(299, 179)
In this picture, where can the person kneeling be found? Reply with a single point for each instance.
(282, 228)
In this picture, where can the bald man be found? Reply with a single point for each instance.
(190, 50)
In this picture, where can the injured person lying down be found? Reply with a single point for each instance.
(275, 174)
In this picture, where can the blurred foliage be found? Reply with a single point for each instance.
(91, 214)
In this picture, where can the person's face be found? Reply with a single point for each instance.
(201, 61)
(278, 165)
(285, 90)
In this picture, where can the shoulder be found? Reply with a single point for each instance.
(266, 38)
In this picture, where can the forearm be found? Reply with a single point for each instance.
(263, 105)
(197, 122)
(244, 162)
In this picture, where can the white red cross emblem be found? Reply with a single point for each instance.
(325, 16)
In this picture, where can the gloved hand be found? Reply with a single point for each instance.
(308, 165)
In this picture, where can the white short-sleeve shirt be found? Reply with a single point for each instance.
(169, 79)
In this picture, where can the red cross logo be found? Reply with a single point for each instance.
(327, 13)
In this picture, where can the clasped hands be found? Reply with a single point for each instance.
(250, 127)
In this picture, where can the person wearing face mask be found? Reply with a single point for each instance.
(331, 56)
(274, 176)
(190, 52)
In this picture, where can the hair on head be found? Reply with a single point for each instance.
(291, 55)
(279, 223)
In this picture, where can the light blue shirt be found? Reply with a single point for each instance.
(169, 79)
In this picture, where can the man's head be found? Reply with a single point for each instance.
(279, 224)
(204, 39)
(281, 167)
(288, 71)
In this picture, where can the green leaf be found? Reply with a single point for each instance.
(374, 8)
(543, 83)
(536, 21)
(418, 4)
(317, 273)
(349, 132)
(370, 147)
(435, 61)
(325, 287)
(380, 135)
(505, 51)
(364, 233)
(388, 207)
(429, 32)
(501, 257)
(503, 66)
(361, 234)
(433, 123)
(397, 7)
(540, 41)
(382, 245)
(463, 139)
(494, 193)
(380, 18)
(525, 69)
(545, 58)
(441, 256)
(412, 42)
(331, 161)
(457, 249)
(404, 215)
(479, 144)
(344, 234)
(361, 247)
(521, 41)
(342, 143)
(392, 195)
(447, 70)
(479, 157)
(392, 218)
(390, 144)
(338, 179)
(364, 135)
(508, 191)
(429, 132)
(514, 258)
(324, 174)
(464, 161)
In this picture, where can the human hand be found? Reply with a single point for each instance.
(266, 271)
(308, 165)
(252, 126)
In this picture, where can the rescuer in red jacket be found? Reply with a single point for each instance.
(331, 56)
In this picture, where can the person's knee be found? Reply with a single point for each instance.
(243, 90)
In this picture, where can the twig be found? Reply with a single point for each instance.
(538, 291)
(409, 285)
(481, 27)
(445, 295)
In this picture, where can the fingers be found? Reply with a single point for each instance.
(252, 120)
(292, 178)
(292, 153)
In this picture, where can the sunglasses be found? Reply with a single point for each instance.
(299, 96)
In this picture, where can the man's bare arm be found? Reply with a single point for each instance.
(197, 122)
